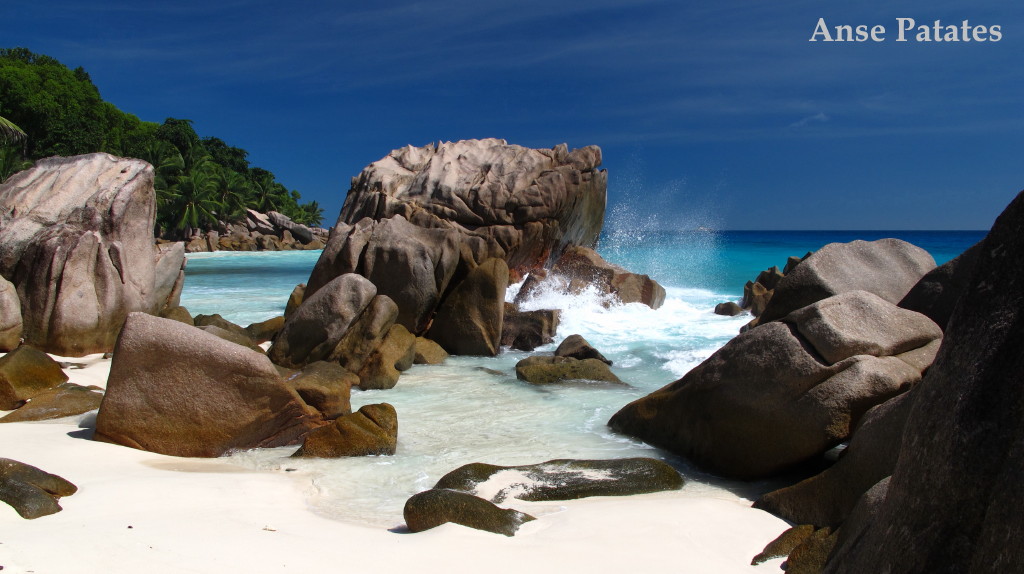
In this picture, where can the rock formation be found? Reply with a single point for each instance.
(434, 507)
(76, 240)
(271, 231)
(886, 267)
(426, 225)
(372, 430)
(176, 390)
(10, 316)
(25, 373)
(31, 491)
(952, 502)
(546, 370)
(789, 390)
(564, 479)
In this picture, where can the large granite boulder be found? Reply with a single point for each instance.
(174, 389)
(410, 264)
(953, 500)
(787, 391)
(525, 204)
(10, 316)
(25, 373)
(313, 331)
(30, 491)
(888, 268)
(76, 239)
(826, 499)
(285, 224)
(527, 330)
(395, 354)
(372, 430)
(327, 387)
(563, 479)
(938, 292)
(470, 320)
(581, 267)
(434, 507)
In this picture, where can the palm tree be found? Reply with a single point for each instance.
(10, 133)
(230, 189)
(267, 194)
(195, 205)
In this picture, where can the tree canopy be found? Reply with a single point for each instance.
(200, 181)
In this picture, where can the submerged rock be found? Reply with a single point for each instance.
(435, 507)
(576, 347)
(527, 330)
(372, 430)
(563, 479)
(546, 370)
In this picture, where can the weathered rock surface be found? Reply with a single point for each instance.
(953, 500)
(327, 387)
(176, 390)
(76, 239)
(428, 352)
(30, 491)
(294, 299)
(25, 373)
(470, 320)
(888, 268)
(264, 330)
(178, 313)
(10, 316)
(576, 347)
(771, 398)
(372, 430)
(563, 479)
(546, 370)
(826, 499)
(523, 204)
(314, 330)
(64, 401)
(728, 309)
(937, 293)
(232, 336)
(395, 354)
(432, 508)
(583, 267)
(784, 544)
(527, 330)
(410, 264)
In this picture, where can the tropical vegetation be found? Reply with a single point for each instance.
(47, 109)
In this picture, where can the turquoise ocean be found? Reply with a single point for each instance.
(473, 409)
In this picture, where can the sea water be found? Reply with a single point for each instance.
(473, 409)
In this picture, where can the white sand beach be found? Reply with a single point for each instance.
(137, 511)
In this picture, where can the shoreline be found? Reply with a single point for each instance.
(137, 510)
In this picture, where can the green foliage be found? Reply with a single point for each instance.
(200, 182)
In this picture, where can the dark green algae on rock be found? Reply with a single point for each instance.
(566, 479)
(434, 507)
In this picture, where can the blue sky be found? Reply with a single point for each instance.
(719, 114)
